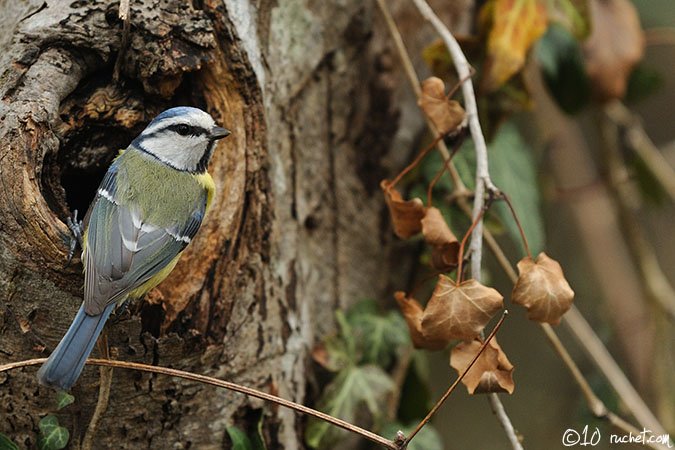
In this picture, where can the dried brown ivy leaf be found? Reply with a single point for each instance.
(492, 371)
(615, 45)
(459, 312)
(444, 244)
(406, 215)
(542, 289)
(515, 26)
(446, 114)
(412, 312)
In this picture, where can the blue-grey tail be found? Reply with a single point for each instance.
(66, 362)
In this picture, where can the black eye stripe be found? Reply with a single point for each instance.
(192, 130)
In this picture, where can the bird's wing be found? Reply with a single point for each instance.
(121, 251)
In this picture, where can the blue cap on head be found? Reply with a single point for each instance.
(175, 112)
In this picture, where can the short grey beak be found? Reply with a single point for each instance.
(219, 133)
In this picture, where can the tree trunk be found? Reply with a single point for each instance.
(295, 230)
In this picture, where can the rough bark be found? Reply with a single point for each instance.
(294, 233)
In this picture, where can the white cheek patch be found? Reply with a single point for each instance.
(181, 152)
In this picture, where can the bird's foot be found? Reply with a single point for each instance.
(122, 312)
(76, 230)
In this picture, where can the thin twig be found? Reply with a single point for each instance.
(446, 166)
(398, 375)
(639, 141)
(415, 161)
(483, 180)
(462, 245)
(598, 353)
(656, 284)
(223, 384)
(105, 380)
(594, 347)
(452, 387)
(518, 224)
(415, 85)
(596, 405)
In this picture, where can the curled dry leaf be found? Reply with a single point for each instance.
(615, 46)
(412, 312)
(492, 371)
(542, 289)
(516, 25)
(446, 114)
(406, 215)
(459, 312)
(444, 244)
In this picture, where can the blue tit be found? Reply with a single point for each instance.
(147, 209)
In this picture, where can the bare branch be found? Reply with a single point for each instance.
(656, 283)
(483, 181)
(415, 84)
(223, 384)
(598, 353)
(452, 387)
(638, 141)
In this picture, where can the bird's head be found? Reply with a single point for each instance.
(181, 137)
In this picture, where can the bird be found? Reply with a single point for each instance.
(148, 208)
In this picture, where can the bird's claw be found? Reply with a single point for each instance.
(122, 312)
(75, 227)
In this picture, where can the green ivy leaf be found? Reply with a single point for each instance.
(63, 399)
(240, 440)
(52, 435)
(257, 439)
(7, 444)
(352, 389)
(513, 170)
(415, 397)
(562, 65)
(379, 336)
(427, 439)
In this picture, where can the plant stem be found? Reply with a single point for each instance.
(518, 224)
(638, 141)
(594, 347)
(223, 384)
(463, 244)
(483, 181)
(416, 161)
(452, 387)
(105, 377)
(415, 85)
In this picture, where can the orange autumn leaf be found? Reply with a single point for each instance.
(412, 312)
(406, 215)
(446, 114)
(492, 371)
(516, 26)
(459, 312)
(542, 289)
(444, 244)
(615, 46)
